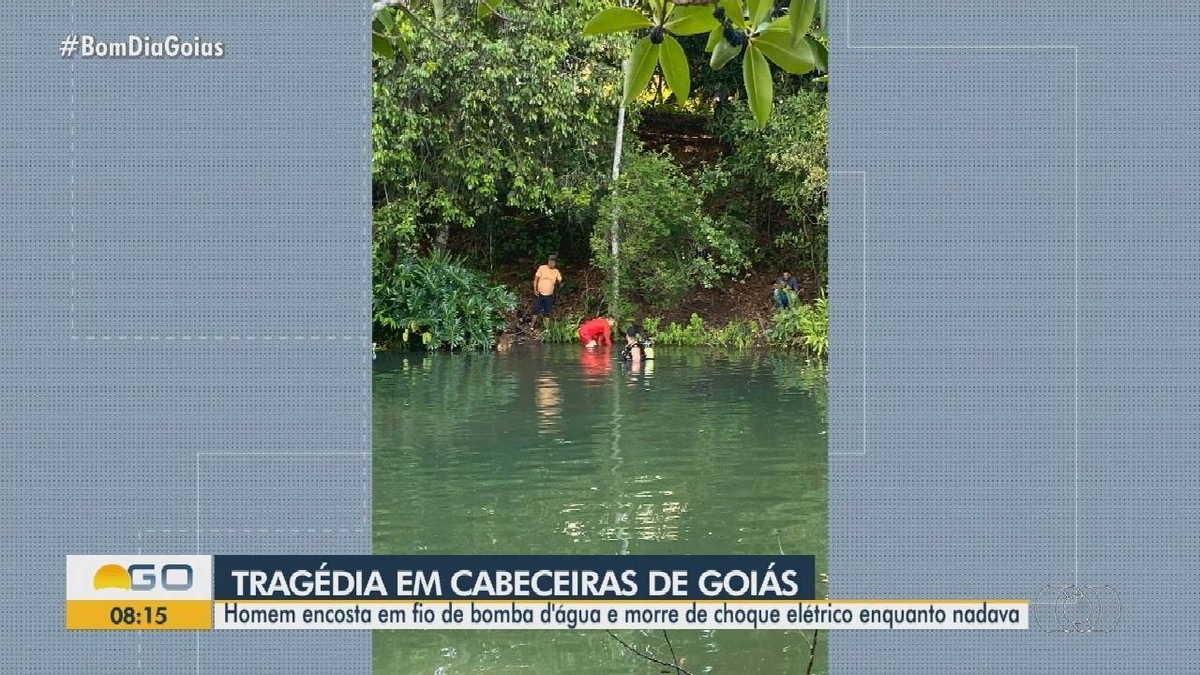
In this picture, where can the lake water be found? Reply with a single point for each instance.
(552, 450)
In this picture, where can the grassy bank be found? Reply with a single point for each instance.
(801, 326)
(437, 302)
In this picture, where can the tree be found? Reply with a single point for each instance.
(476, 115)
(782, 175)
(668, 244)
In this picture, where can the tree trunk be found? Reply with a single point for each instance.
(615, 231)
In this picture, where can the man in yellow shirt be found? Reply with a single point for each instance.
(544, 281)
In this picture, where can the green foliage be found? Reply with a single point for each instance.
(478, 116)
(437, 302)
(668, 244)
(562, 330)
(732, 28)
(737, 334)
(803, 326)
(760, 88)
(691, 334)
(785, 168)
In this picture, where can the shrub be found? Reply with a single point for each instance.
(691, 334)
(741, 334)
(562, 330)
(784, 167)
(437, 302)
(668, 244)
(696, 333)
(804, 326)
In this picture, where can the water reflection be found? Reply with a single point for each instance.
(596, 364)
(695, 452)
(548, 400)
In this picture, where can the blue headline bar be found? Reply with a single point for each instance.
(515, 577)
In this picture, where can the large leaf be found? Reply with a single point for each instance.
(760, 90)
(760, 10)
(800, 17)
(824, 17)
(615, 20)
(783, 23)
(796, 59)
(639, 68)
(657, 8)
(722, 53)
(734, 12)
(486, 8)
(692, 20)
(820, 53)
(387, 17)
(381, 46)
(714, 38)
(675, 68)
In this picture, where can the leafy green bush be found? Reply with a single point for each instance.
(476, 117)
(691, 334)
(805, 326)
(437, 302)
(781, 175)
(741, 334)
(668, 245)
(562, 330)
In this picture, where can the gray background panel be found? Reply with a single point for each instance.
(184, 253)
(1014, 357)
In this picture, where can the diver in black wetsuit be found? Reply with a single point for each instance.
(637, 348)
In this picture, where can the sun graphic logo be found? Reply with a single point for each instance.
(112, 576)
(144, 577)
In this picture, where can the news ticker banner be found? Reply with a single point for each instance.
(488, 592)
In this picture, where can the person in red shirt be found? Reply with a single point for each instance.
(598, 331)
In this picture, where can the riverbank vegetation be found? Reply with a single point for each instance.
(496, 127)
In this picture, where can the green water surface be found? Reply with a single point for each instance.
(556, 450)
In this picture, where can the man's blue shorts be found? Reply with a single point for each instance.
(543, 305)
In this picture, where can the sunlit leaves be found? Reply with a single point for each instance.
(731, 26)
(691, 20)
(800, 17)
(675, 67)
(734, 12)
(759, 86)
(777, 46)
(615, 20)
(658, 8)
(760, 10)
(640, 68)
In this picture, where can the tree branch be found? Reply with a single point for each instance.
(674, 658)
(812, 653)
(678, 669)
